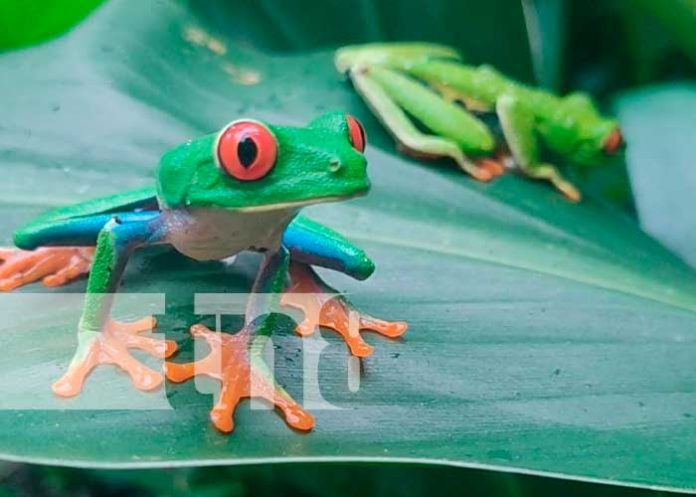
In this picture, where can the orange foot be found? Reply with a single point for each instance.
(111, 347)
(228, 362)
(322, 307)
(55, 266)
(493, 167)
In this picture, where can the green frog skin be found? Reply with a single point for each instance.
(425, 81)
(239, 189)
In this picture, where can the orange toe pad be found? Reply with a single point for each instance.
(228, 362)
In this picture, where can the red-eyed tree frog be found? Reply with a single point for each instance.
(428, 82)
(215, 196)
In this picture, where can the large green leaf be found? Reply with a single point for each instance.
(545, 337)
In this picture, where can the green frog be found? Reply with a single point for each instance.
(415, 90)
(238, 189)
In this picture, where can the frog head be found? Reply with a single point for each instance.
(585, 136)
(251, 166)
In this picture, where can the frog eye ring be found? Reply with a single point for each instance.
(246, 150)
(356, 133)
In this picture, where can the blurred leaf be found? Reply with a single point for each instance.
(615, 44)
(660, 127)
(677, 18)
(25, 22)
(485, 32)
(366, 480)
(309, 480)
(545, 337)
(546, 29)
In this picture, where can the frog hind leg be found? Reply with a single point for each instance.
(493, 165)
(311, 243)
(518, 127)
(55, 252)
(53, 266)
(386, 92)
(102, 340)
(236, 360)
(58, 247)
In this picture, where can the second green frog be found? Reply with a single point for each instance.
(427, 82)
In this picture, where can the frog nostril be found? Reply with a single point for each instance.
(335, 165)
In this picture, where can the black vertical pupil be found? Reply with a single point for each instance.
(247, 151)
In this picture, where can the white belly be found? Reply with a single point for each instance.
(212, 234)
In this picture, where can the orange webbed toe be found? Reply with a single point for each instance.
(228, 361)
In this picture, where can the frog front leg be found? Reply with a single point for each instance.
(519, 128)
(102, 340)
(312, 244)
(237, 361)
(458, 132)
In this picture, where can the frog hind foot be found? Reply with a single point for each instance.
(492, 166)
(241, 377)
(54, 266)
(323, 307)
(110, 346)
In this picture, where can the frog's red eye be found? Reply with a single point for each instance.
(357, 134)
(246, 150)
